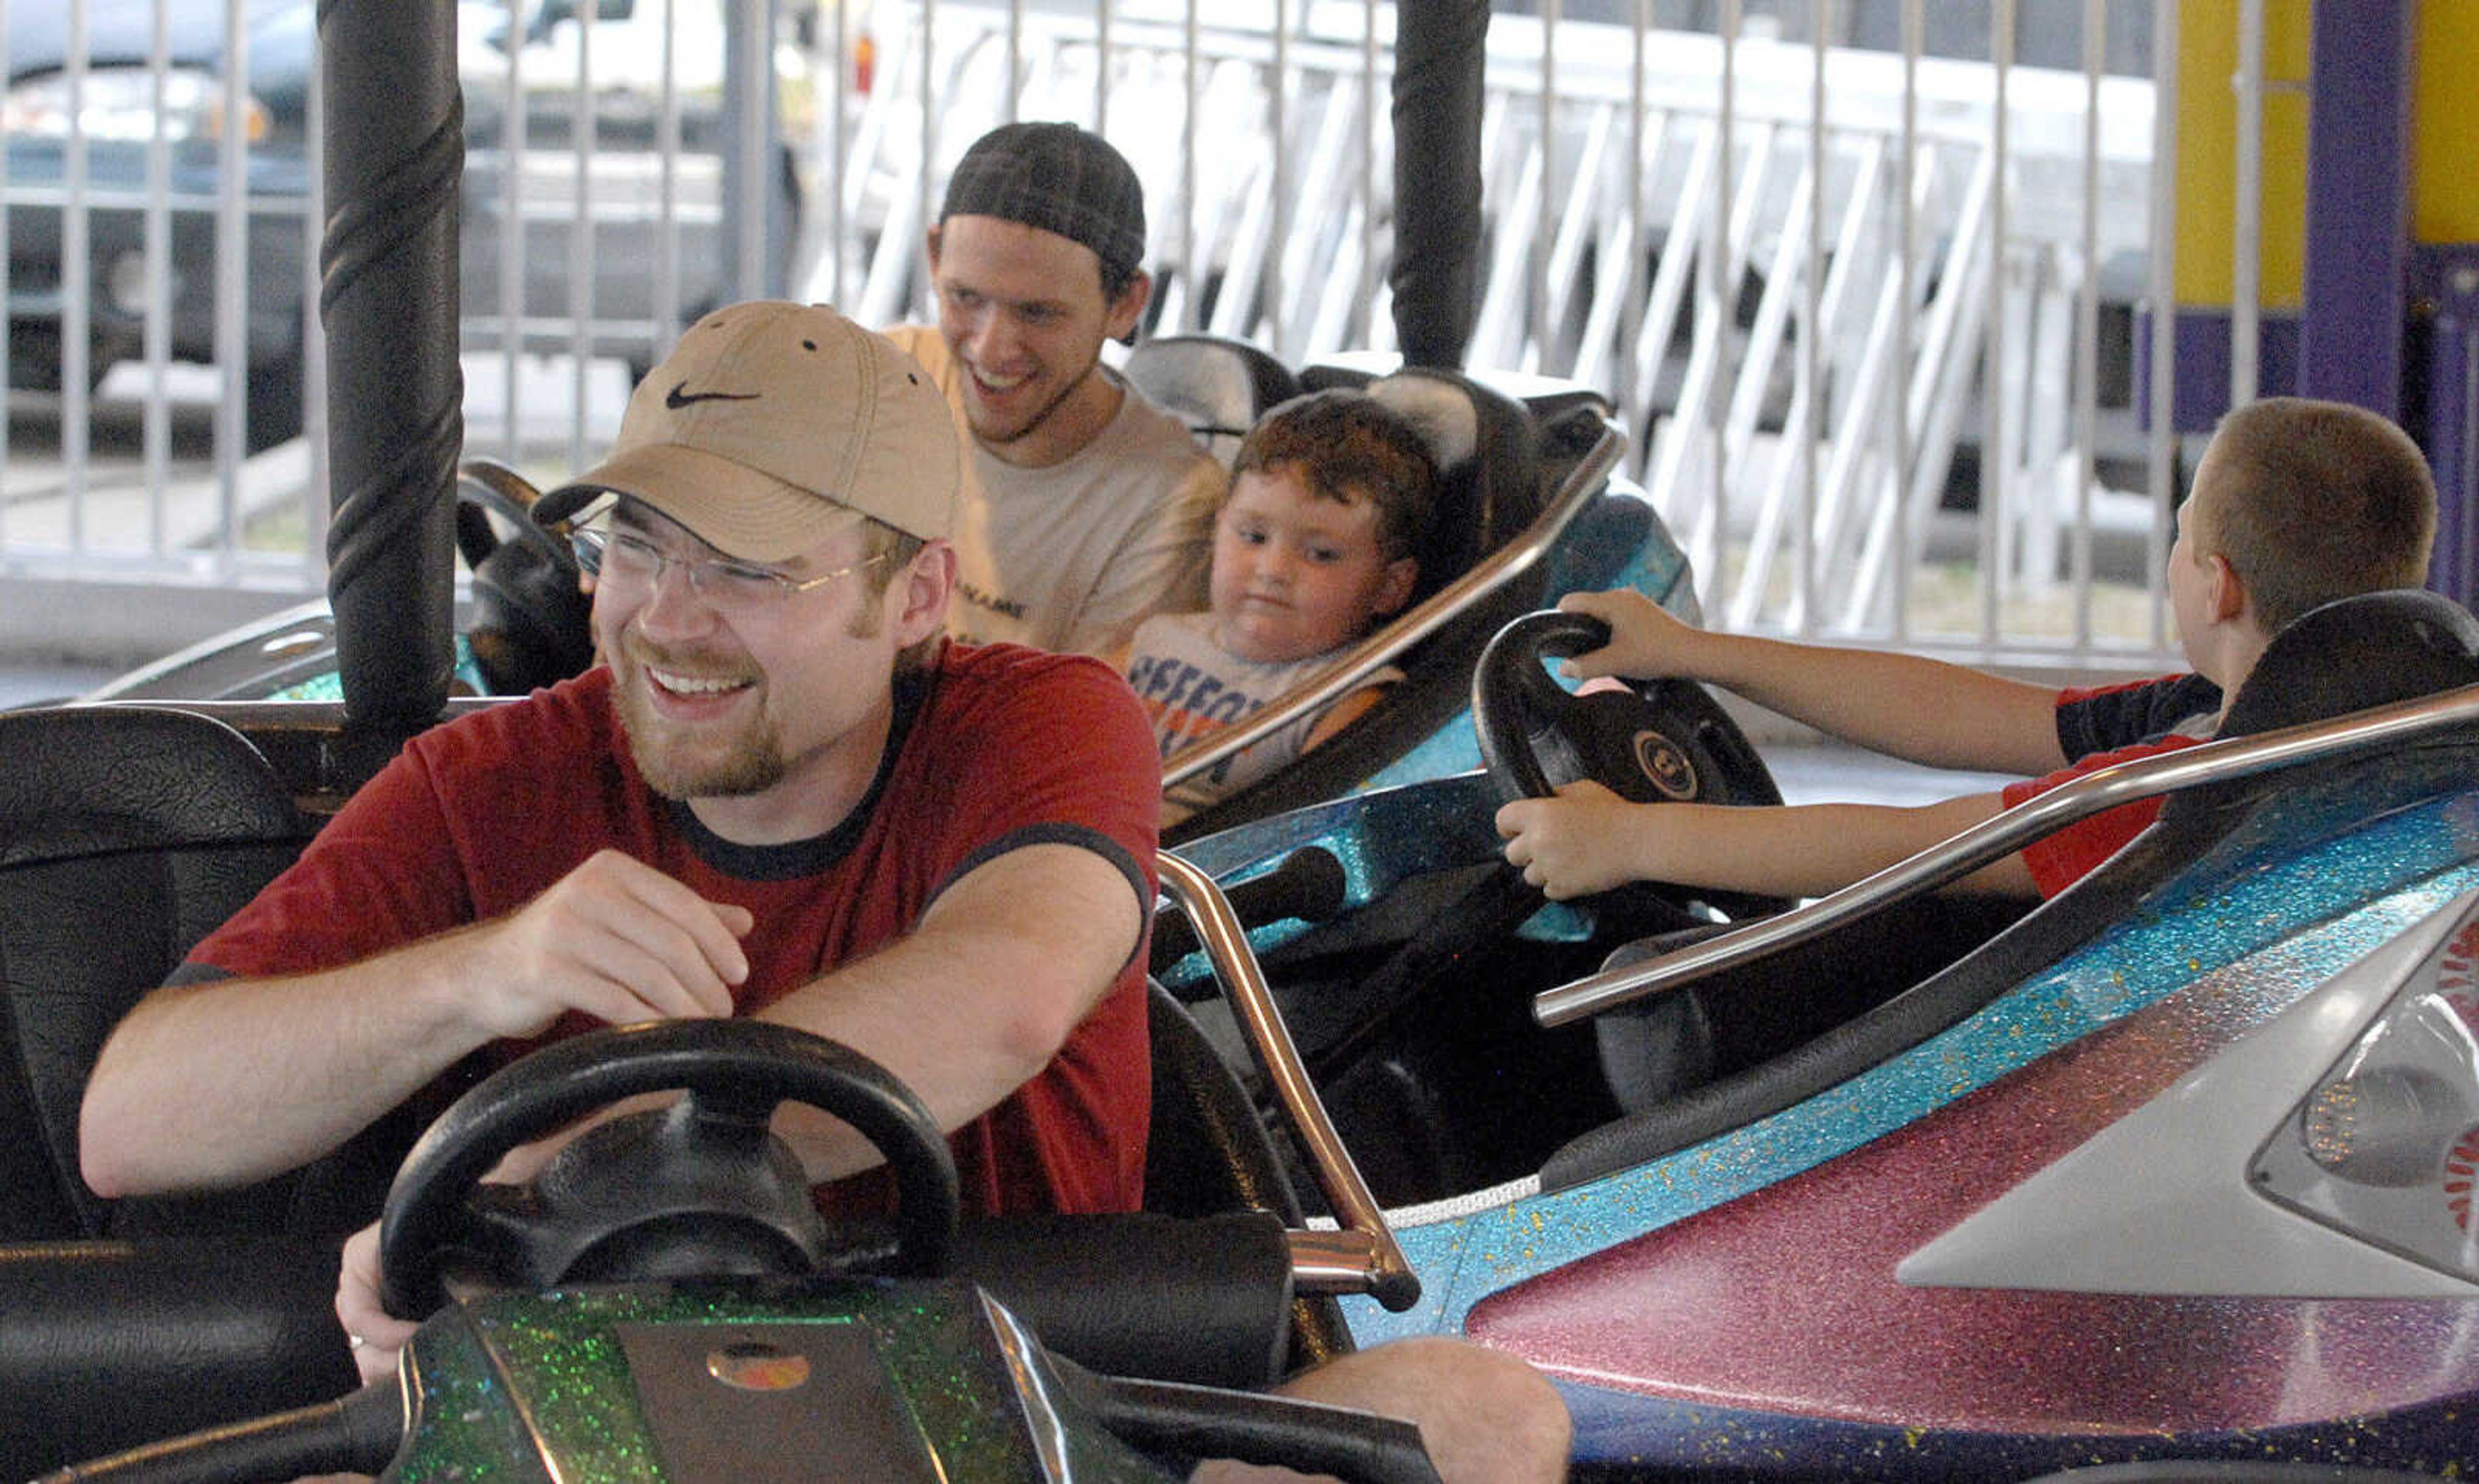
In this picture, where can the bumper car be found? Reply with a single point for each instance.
(2169, 1178)
(663, 1302)
(678, 1257)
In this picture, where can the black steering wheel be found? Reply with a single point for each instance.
(533, 623)
(701, 1189)
(1655, 741)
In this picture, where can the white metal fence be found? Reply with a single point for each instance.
(1822, 285)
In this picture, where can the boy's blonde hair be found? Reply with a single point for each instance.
(2314, 501)
(1345, 445)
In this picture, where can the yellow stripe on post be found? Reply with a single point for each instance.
(2444, 124)
(2207, 142)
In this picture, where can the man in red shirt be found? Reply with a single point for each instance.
(2296, 504)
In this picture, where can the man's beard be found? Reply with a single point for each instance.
(748, 763)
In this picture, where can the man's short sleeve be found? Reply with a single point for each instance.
(379, 874)
(1074, 761)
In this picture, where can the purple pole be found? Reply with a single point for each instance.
(2358, 234)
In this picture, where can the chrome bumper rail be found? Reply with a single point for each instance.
(1362, 1256)
(2213, 762)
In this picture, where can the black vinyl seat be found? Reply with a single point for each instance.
(126, 834)
(1493, 454)
(1489, 466)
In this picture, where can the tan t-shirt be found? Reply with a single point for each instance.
(1074, 555)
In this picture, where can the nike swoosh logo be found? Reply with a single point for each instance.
(679, 397)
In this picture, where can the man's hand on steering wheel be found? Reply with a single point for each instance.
(375, 1335)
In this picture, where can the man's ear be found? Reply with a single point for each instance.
(930, 246)
(1128, 309)
(925, 588)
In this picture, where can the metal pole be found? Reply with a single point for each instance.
(1906, 256)
(1811, 336)
(2161, 392)
(2246, 227)
(1995, 452)
(1191, 298)
(1536, 263)
(2088, 321)
(1277, 117)
(389, 302)
(1102, 68)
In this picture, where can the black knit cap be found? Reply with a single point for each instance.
(1059, 178)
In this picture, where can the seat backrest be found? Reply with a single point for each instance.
(1217, 385)
(2355, 653)
(2367, 649)
(1489, 466)
(126, 834)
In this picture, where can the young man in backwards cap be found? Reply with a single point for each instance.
(785, 795)
(1087, 508)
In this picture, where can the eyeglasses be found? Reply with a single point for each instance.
(628, 562)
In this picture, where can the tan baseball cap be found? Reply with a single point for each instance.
(768, 419)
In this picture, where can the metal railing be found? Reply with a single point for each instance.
(1816, 281)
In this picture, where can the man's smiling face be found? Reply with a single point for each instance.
(1023, 313)
(718, 706)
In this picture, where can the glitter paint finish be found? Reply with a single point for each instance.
(1751, 1276)
(553, 1365)
(1637, 1436)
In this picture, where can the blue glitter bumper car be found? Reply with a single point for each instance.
(2170, 1178)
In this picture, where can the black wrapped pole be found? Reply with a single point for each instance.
(395, 156)
(1440, 56)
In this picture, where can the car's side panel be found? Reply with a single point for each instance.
(1753, 1272)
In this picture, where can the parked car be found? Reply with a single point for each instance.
(119, 117)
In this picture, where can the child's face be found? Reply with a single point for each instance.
(1296, 575)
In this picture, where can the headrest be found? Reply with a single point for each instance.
(1217, 385)
(2354, 652)
(1488, 466)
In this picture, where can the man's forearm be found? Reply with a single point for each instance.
(979, 1000)
(224, 1082)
